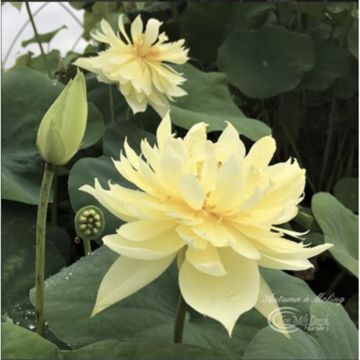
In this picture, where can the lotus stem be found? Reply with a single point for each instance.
(53, 206)
(179, 320)
(333, 112)
(43, 55)
(339, 277)
(40, 246)
(330, 133)
(89, 225)
(111, 102)
(19, 34)
(87, 246)
(176, 17)
(128, 113)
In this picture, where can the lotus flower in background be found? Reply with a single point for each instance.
(215, 208)
(139, 65)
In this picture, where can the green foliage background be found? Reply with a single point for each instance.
(289, 69)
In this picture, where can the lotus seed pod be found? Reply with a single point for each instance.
(89, 222)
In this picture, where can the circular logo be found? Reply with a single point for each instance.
(284, 319)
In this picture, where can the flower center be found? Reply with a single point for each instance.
(207, 211)
(143, 52)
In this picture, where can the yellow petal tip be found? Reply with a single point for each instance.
(93, 313)
(97, 309)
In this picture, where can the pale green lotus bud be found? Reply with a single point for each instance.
(63, 126)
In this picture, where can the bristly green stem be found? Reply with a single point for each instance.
(128, 113)
(328, 143)
(19, 34)
(176, 16)
(40, 246)
(298, 156)
(333, 112)
(347, 27)
(53, 205)
(87, 246)
(340, 276)
(298, 17)
(179, 320)
(43, 55)
(111, 101)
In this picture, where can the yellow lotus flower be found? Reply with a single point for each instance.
(137, 64)
(215, 208)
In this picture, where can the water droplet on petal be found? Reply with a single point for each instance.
(232, 296)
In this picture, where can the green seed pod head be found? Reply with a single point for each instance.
(63, 126)
(89, 222)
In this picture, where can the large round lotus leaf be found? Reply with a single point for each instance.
(271, 345)
(347, 191)
(214, 21)
(209, 100)
(340, 227)
(149, 313)
(334, 330)
(331, 62)
(23, 344)
(19, 343)
(267, 61)
(330, 334)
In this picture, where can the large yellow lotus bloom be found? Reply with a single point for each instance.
(214, 207)
(139, 65)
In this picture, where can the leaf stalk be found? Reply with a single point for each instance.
(40, 246)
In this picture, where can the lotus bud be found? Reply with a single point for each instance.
(63, 126)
